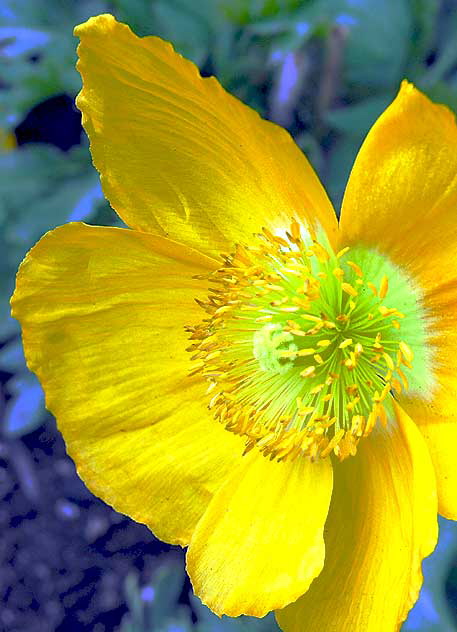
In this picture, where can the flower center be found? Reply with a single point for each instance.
(303, 348)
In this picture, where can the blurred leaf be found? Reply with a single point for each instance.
(31, 79)
(25, 410)
(356, 120)
(443, 92)
(377, 42)
(447, 55)
(339, 167)
(425, 14)
(15, 41)
(189, 34)
(12, 356)
(39, 190)
(136, 13)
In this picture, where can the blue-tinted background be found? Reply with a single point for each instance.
(324, 69)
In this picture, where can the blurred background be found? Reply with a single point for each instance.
(324, 69)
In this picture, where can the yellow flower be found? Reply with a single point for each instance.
(237, 370)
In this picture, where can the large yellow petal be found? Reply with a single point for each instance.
(401, 197)
(381, 523)
(103, 312)
(179, 155)
(260, 543)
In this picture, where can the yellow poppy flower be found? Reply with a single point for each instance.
(240, 372)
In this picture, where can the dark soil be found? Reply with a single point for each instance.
(64, 554)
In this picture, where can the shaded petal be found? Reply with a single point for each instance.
(437, 421)
(180, 156)
(401, 197)
(103, 312)
(381, 523)
(260, 543)
(435, 410)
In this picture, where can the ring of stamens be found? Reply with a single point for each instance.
(300, 348)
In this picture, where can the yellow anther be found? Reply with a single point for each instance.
(373, 288)
(327, 398)
(223, 309)
(213, 355)
(345, 343)
(314, 319)
(353, 403)
(387, 311)
(377, 397)
(318, 358)
(389, 361)
(320, 252)
(333, 443)
(358, 349)
(338, 272)
(306, 411)
(264, 319)
(304, 304)
(306, 352)
(289, 308)
(242, 254)
(295, 229)
(317, 389)
(298, 332)
(288, 354)
(310, 371)
(395, 324)
(355, 267)
(349, 289)
(342, 318)
(403, 378)
(342, 252)
(383, 288)
(396, 385)
(357, 424)
(406, 352)
(386, 390)
(352, 389)
(324, 343)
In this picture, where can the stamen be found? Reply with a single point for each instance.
(299, 361)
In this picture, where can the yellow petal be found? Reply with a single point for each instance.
(437, 421)
(180, 156)
(381, 523)
(401, 197)
(441, 438)
(435, 411)
(103, 312)
(260, 543)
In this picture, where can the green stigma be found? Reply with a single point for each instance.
(270, 344)
(306, 348)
